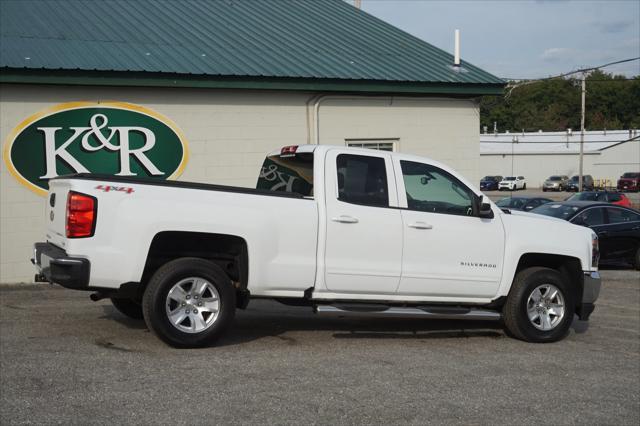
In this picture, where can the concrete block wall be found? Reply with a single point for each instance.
(229, 133)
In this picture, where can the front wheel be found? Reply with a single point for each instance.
(189, 302)
(540, 306)
(524, 186)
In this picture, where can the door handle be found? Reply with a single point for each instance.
(420, 225)
(345, 219)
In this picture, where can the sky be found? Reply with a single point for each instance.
(524, 38)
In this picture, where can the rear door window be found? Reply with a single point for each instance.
(622, 215)
(362, 180)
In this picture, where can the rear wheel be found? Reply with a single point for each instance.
(540, 306)
(189, 302)
(637, 262)
(128, 307)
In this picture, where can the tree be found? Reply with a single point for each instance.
(612, 102)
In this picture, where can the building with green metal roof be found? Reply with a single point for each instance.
(266, 44)
(229, 79)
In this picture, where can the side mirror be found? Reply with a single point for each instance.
(486, 212)
(424, 180)
(483, 210)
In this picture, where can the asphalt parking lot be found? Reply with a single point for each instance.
(67, 360)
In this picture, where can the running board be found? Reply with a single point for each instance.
(435, 312)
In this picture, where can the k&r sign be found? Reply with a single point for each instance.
(83, 137)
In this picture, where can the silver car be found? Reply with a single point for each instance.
(555, 183)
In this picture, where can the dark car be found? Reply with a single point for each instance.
(618, 227)
(490, 183)
(522, 203)
(574, 183)
(603, 196)
(629, 182)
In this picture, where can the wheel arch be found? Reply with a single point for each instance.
(229, 252)
(568, 266)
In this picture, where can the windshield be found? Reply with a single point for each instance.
(556, 210)
(575, 179)
(631, 175)
(287, 174)
(492, 178)
(588, 196)
(555, 178)
(510, 178)
(513, 203)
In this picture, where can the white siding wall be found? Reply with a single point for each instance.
(229, 133)
(608, 164)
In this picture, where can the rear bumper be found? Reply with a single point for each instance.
(590, 292)
(56, 267)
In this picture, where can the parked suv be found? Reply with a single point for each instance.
(512, 183)
(555, 183)
(629, 182)
(490, 183)
(574, 183)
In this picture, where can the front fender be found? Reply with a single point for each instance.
(531, 233)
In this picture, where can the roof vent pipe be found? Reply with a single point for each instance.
(456, 59)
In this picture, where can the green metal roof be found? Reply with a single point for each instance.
(327, 43)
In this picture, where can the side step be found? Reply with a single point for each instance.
(435, 312)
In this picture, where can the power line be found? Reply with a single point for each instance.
(574, 72)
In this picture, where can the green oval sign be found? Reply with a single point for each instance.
(83, 137)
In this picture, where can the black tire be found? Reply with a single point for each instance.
(155, 299)
(524, 187)
(544, 189)
(515, 309)
(637, 262)
(128, 307)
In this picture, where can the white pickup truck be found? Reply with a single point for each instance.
(342, 230)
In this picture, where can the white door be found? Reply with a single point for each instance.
(448, 252)
(364, 226)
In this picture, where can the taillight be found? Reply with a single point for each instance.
(81, 215)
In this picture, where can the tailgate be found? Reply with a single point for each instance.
(56, 211)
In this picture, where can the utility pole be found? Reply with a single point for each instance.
(584, 91)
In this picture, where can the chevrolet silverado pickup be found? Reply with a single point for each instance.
(345, 231)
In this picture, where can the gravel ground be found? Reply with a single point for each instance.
(67, 360)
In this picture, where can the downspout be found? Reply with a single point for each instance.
(309, 118)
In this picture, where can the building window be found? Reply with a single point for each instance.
(387, 144)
